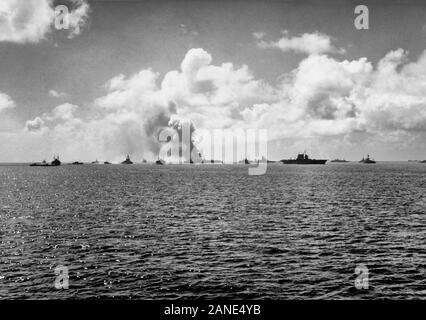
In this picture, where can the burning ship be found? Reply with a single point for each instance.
(303, 158)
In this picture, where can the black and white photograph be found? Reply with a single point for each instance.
(252, 150)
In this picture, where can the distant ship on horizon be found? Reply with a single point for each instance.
(303, 158)
(127, 161)
(244, 161)
(160, 161)
(56, 162)
(76, 163)
(339, 160)
(367, 160)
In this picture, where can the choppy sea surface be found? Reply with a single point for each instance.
(213, 231)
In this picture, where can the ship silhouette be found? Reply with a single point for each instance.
(339, 160)
(303, 158)
(244, 161)
(160, 161)
(56, 162)
(367, 160)
(127, 161)
(76, 163)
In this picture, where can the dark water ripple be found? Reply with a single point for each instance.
(147, 231)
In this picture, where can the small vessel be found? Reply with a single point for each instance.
(339, 160)
(54, 163)
(245, 161)
(106, 162)
(127, 161)
(303, 158)
(160, 161)
(367, 160)
(76, 163)
(42, 164)
(212, 161)
(95, 162)
(144, 161)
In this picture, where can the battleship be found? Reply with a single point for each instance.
(367, 160)
(127, 161)
(56, 162)
(303, 158)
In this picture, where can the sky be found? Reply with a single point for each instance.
(124, 69)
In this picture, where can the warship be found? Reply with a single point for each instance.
(56, 162)
(339, 160)
(160, 162)
(367, 160)
(244, 161)
(127, 161)
(76, 163)
(42, 164)
(303, 158)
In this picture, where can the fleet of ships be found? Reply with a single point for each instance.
(302, 159)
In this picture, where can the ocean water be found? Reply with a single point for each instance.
(213, 231)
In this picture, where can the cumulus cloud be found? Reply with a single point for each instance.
(330, 101)
(78, 17)
(29, 21)
(57, 94)
(64, 112)
(34, 125)
(259, 34)
(310, 43)
(6, 102)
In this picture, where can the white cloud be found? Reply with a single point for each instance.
(57, 94)
(64, 112)
(324, 100)
(78, 17)
(259, 34)
(6, 102)
(29, 21)
(310, 43)
(34, 125)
